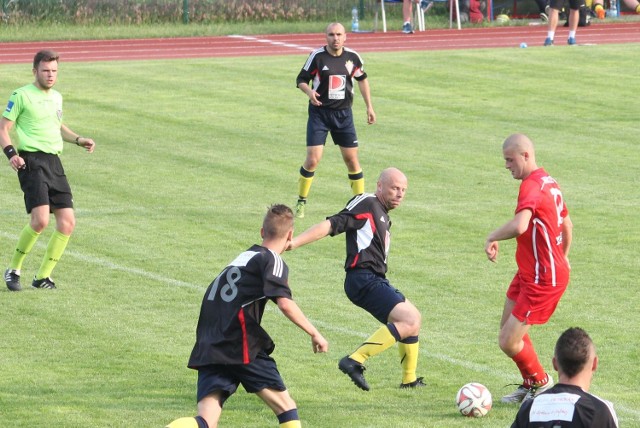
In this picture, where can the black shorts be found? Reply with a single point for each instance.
(43, 181)
(338, 122)
(372, 293)
(257, 375)
(573, 4)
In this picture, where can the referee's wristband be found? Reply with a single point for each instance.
(10, 151)
(77, 142)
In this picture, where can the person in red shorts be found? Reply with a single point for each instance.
(543, 232)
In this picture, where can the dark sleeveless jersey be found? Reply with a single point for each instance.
(366, 224)
(229, 330)
(566, 406)
(332, 76)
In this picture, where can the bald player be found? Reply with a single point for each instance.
(543, 230)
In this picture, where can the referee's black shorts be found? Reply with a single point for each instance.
(43, 181)
(327, 120)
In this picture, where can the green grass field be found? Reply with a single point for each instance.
(191, 152)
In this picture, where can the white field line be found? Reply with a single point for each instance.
(272, 42)
(481, 368)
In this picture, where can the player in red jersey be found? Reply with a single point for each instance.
(543, 232)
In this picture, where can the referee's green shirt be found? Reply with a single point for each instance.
(38, 118)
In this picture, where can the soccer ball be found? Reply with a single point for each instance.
(474, 400)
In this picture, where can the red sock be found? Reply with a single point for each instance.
(529, 364)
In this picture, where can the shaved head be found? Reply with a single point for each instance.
(519, 156)
(520, 142)
(392, 185)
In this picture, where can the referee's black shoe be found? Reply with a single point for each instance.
(355, 371)
(12, 279)
(43, 283)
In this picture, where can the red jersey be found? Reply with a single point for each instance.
(539, 253)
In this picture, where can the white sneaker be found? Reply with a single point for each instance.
(539, 388)
(516, 396)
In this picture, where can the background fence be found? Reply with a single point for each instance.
(202, 11)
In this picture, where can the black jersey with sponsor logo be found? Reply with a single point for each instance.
(366, 223)
(229, 330)
(332, 76)
(566, 406)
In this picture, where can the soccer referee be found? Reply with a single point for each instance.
(36, 110)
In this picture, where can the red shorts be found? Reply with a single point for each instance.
(535, 303)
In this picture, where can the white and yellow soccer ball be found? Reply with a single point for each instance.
(474, 400)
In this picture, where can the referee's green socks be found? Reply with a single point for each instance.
(55, 248)
(26, 241)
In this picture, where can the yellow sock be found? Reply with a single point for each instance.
(291, 424)
(378, 342)
(357, 182)
(26, 241)
(289, 419)
(304, 182)
(55, 248)
(408, 360)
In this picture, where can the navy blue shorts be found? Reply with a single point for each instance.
(338, 122)
(372, 293)
(257, 375)
(43, 181)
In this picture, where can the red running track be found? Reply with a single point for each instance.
(290, 44)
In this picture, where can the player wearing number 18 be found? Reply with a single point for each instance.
(543, 232)
(231, 347)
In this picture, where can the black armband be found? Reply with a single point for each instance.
(10, 151)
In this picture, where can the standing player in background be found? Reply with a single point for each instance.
(543, 232)
(554, 16)
(568, 404)
(36, 109)
(332, 69)
(366, 222)
(231, 347)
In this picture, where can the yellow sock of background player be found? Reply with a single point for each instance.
(382, 339)
(55, 248)
(408, 349)
(357, 182)
(26, 241)
(289, 419)
(304, 183)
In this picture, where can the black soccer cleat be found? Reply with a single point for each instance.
(418, 383)
(355, 371)
(44, 283)
(12, 279)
